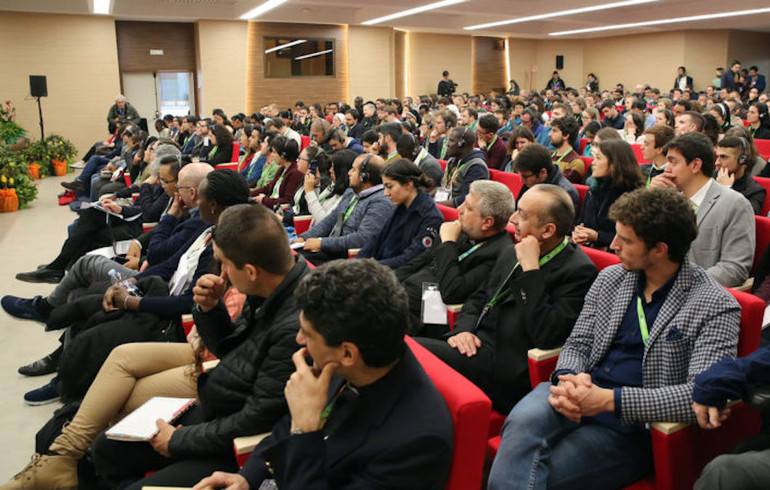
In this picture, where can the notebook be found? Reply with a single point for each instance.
(140, 425)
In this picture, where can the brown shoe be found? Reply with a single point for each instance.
(46, 473)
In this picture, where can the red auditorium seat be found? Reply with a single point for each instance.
(583, 144)
(765, 183)
(305, 141)
(763, 238)
(587, 161)
(511, 180)
(763, 147)
(638, 154)
(443, 164)
(236, 152)
(302, 223)
(582, 191)
(450, 214)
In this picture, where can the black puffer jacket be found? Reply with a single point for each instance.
(243, 394)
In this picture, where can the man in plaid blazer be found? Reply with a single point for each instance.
(647, 327)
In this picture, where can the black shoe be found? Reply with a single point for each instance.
(46, 365)
(26, 309)
(75, 185)
(49, 276)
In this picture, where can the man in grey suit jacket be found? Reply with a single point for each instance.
(356, 220)
(648, 326)
(726, 229)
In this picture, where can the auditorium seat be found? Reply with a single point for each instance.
(587, 161)
(765, 183)
(305, 141)
(443, 164)
(302, 223)
(680, 451)
(511, 180)
(763, 147)
(236, 152)
(450, 214)
(583, 144)
(638, 154)
(582, 191)
(762, 234)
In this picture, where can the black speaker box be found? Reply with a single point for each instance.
(38, 86)
(559, 62)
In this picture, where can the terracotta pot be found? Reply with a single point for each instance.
(34, 170)
(59, 167)
(9, 202)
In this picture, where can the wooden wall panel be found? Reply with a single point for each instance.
(399, 61)
(370, 51)
(431, 54)
(286, 91)
(135, 39)
(488, 65)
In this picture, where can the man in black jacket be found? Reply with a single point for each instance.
(446, 87)
(535, 166)
(462, 261)
(363, 414)
(531, 300)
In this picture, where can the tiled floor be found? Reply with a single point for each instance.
(27, 238)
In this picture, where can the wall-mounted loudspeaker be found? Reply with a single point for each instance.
(559, 62)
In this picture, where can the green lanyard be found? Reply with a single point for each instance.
(486, 148)
(391, 157)
(642, 320)
(213, 150)
(472, 249)
(561, 157)
(501, 293)
(325, 194)
(753, 131)
(443, 150)
(449, 179)
(330, 406)
(350, 209)
(277, 187)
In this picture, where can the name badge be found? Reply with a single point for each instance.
(442, 194)
(433, 308)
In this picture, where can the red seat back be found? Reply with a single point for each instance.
(763, 147)
(450, 214)
(236, 152)
(470, 409)
(443, 164)
(600, 258)
(765, 183)
(638, 154)
(752, 312)
(583, 144)
(587, 161)
(511, 180)
(305, 141)
(582, 191)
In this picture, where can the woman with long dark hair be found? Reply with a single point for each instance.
(413, 225)
(283, 186)
(615, 171)
(221, 149)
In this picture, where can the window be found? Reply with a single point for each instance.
(175, 89)
(298, 57)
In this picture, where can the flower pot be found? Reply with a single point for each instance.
(9, 202)
(59, 167)
(34, 170)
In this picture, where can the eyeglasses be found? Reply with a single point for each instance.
(167, 182)
(525, 176)
(177, 187)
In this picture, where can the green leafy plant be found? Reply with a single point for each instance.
(60, 148)
(37, 152)
(13, 174)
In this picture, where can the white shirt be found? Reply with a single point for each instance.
(699, 196)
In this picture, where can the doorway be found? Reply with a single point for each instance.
(156, 94)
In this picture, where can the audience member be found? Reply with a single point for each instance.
(653, 149)
(220, 149)
(489, 143)
(532, 299)
(734, 167)
(535, 166)
(688, 122)
(287, 179)
(759, 121)
(466, 165)
(615, 374)
(339, 141)
(612, 118)
(517, 140)
(322, 202)
(408, 147)
(564, 131)
(121, 113)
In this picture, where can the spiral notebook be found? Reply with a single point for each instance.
(140, 425)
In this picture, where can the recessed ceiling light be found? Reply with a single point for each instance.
(287, 45)
(102, 7)
(560, 13)
(319, 53)
(265, 7)
(663, 21)
(416, 10)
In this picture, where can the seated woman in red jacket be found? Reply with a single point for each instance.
(287, 180)
(413, 225)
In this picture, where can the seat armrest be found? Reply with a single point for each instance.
(746, 286)
(454, 308)
(543, 354)
(148, 226)
(246, 444)
(303, 217)
(352, 252)
(210, 364)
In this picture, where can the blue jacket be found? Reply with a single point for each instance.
(170, 235)
(408, 232)
(362, 225)
(732, 379)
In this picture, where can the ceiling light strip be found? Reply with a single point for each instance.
(675, 20)
(287, 45)
(414, 11)
(265, 7)
(560, 13)
(319, 53)
(102, 7)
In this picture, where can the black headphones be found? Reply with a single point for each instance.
(763, 111)
(363, 176)
(743, 158)
(415, 144)
(461, 143)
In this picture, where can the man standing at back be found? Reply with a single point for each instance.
(647, 328)
(446, 87)
(726, 238)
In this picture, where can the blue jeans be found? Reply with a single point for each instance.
(92, 167)
(541, 449)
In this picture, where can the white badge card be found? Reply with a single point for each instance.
(433, 307)
(442, 194)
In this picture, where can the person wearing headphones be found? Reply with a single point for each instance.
(356, 220)
(408, 147)
(734, 170)
(487, 140)
(320, 131)
(466, 165)
(436, 141)
(389, 133)
(285, 183)
(415, 222)
(759, 121)
(339, 141)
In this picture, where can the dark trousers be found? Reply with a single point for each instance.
(478, 369)
(123, 463)
(91, 232)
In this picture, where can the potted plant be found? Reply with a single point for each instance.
(10, 132)
(38, 163)
(60, 151)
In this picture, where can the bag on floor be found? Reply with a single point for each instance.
(52, 429)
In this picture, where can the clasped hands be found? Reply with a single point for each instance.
(710, 417)
(576, 397)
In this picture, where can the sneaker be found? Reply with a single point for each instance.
(46, 472)
(23, 308)
(79, 164)
(41, 367)
(75, 185)
(44, 395)
(49, 276)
